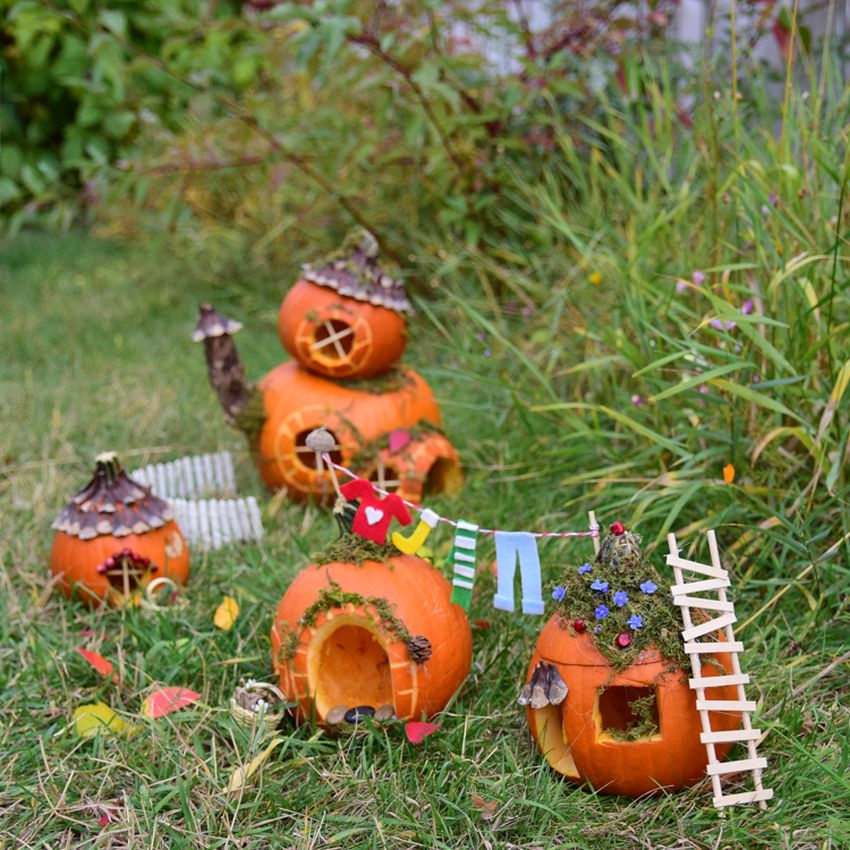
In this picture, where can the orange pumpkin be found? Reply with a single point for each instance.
(296, 402)
(427, 463)
(586, 737)
(376, 634)
(337, 336)
(115, 537)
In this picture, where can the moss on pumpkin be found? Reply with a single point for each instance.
(621, 593)
(335, 597)
(353, 549)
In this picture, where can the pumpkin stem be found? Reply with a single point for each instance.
(107, 467)
(242, 402)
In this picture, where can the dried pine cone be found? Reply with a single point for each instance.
(419, 649)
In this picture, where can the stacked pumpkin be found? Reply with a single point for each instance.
(344, 324)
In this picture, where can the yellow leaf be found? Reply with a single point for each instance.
(242, 774)
(97, 717)
(226, 613)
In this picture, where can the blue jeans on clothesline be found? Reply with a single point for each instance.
(509, 545)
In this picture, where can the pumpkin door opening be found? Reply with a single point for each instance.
(306, 456)
(626, 713)
(333, 340)
(353, 670)
(444, 476)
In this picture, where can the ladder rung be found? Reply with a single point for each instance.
(699, 586)
(708, 627)
(745, 797)
(719, 681)
(725, 705)
(730, 736)
(705, 604)
(714, 646)
(724, 767)
(696, 567)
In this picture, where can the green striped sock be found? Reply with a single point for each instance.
(463, 562)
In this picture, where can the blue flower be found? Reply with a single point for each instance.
(584, 568)
(601, 612)
(559, 593)
(649, 586)
(635, 622)
(620, 598)
(601, 586)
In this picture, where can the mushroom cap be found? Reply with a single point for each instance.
(211, 324)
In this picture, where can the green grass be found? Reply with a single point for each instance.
(96, 354)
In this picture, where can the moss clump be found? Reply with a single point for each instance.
(621, 595)
(644, 722)
(353, 549)
(335, 597)
(392, 381)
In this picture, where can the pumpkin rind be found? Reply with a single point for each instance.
(297, 402)
(419, 598)
(569, 736)
(373, 337)
(110, 515)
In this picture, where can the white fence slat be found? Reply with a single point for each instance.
(736, 766)
(697, 567)
(719, 681)
(726, 705)
(730, 736)
(708, 627)
(745, 797)
(705, 604)
(699, 586)
(714, 646)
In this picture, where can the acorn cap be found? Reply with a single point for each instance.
(211, 324)
(112, 503)
(354, 272)
(321, 440)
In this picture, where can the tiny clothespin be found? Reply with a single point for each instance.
(321, 441)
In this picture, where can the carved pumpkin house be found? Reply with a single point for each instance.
(114, 537)
(344, 324)
(607, 698)
(375, 635)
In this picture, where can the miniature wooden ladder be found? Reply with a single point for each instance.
(717, 582)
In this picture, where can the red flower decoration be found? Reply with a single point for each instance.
(618, 528)
(624, 640)
(580, 626)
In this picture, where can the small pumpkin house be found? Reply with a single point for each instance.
(114, 537)
(607, 697)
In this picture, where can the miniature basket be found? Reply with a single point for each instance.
(258, 703)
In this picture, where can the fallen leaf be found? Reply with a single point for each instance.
(242, 774)
(226, 614)
(166, 700)
(417, 732)
(99, 663)
(728, 473)
(485, 808)
(97, 717)
(482, 624)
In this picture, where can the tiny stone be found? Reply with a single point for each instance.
(358, 713)
(384, 713)
(336, 715)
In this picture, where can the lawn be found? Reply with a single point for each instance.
(96, 355)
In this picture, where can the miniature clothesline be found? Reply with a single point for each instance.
(594, 529)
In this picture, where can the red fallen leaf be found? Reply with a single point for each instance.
(104, 820)
(482, 624)
(166, 700)
(417, 732)
(486, 808)
(97, 661)
(398, 439)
